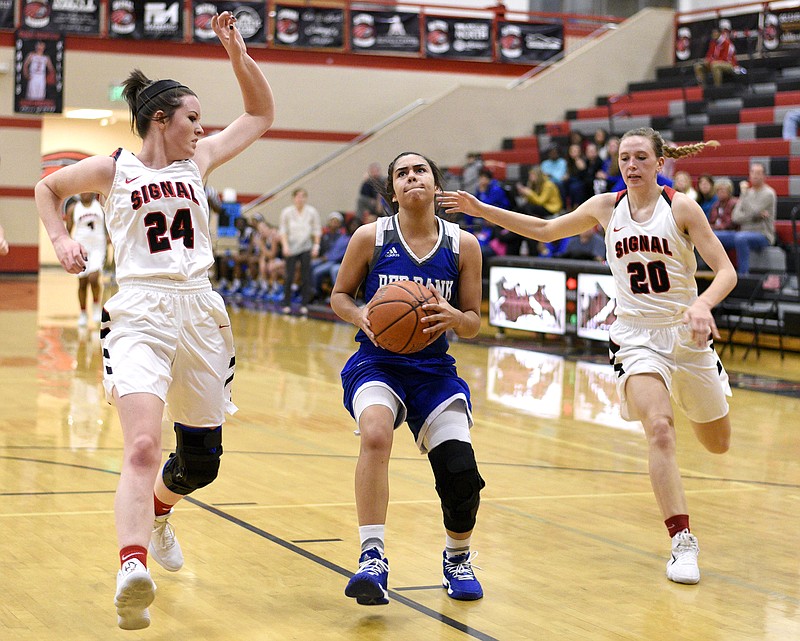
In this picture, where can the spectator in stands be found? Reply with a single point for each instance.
(755, 215)
(576, 138)
(331, 232)
(489, 189)
(328, 269)
(491, 192)
(721, 216)
(470, 172)
(593, 180)
(791, 121)
(233, 267)
(683, 184)
(600, 139)
(720, 58)
(543, 198)
(610, 171)
(588, 245)
(300, 231)
(576, 175)
(706, 195)
(369, 192)
(270, 264)
(555, 166)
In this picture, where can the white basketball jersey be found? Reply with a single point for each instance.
(37, 77)
(87, 225)
(653, 262)
(157, 220)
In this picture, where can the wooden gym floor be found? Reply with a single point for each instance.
(571, 545)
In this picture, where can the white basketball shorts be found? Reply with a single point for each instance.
(171, 339)
(694, 375)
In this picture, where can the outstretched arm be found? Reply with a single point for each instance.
(596, 210)
(259, 104)
(3, 242)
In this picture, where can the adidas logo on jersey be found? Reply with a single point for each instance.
(392, 253)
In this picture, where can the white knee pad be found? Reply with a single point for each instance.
(452, 424)
(377, 393)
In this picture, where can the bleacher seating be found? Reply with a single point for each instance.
(745, 115)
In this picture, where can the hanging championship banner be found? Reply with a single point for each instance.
(69, 16)
(250, 20)
(38, 72)
(144, 20)
(309, 27)
(458, 38)
(781, 31)
(390, 31)
(6, 14)
(529, 43)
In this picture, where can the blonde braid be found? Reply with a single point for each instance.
(688, 150)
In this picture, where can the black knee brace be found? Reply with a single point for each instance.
(195, 461)
(458, 483)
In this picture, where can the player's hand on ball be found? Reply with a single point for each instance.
(439, 316)
(362, 322)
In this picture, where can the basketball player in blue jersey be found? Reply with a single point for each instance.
(383, 389)
(661, 342)
(166, 335)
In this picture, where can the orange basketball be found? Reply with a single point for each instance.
(395, 316)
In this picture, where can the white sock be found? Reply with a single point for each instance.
(456, 547)
(372, 536)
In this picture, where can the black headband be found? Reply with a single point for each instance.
(151, 91)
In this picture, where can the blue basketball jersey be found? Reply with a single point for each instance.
(426, 381)
(393, 260)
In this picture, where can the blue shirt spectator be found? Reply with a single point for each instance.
(491, 192)
(555, 166)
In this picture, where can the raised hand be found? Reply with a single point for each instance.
(224, 25)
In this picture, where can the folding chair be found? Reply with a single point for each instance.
(752, 307)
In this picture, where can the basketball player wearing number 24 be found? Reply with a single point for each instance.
(166, 334)
(383, 389)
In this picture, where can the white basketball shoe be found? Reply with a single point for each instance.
(164, 546)
(682, 566)
(135, 592)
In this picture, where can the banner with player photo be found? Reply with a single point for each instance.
(529, 43)
(781, 31)
(69, 16)
(7, 14)
(458, 38)
(309, 27)
(692, 38)
(389, 31)
(143, 20)
(251, 20)
(38, 72)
